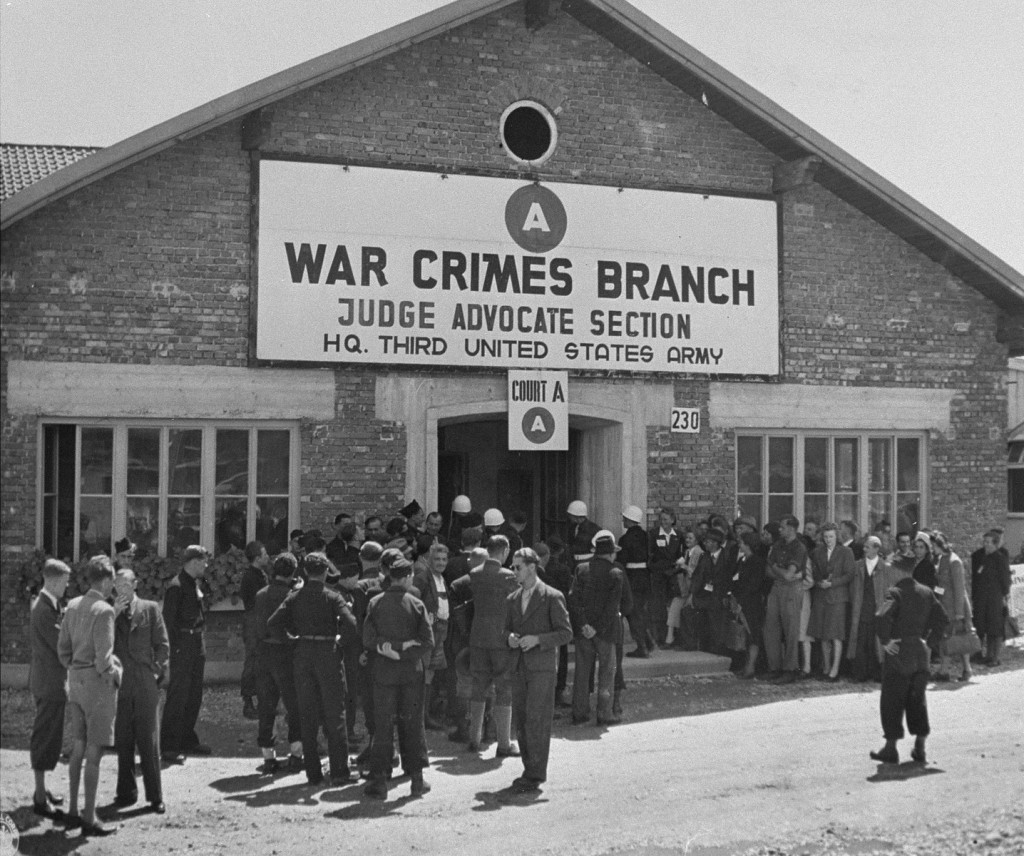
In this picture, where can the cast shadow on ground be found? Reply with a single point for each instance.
(467, 763)
(249, 782)
(53, 842)
(902, 772)
(295, 794)
(507, 798)
(364, 807)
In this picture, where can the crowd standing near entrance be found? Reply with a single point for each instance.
(419, 623)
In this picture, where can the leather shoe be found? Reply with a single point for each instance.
(339, 780)
(473, 746)
(296, 764)
(890, 756)
(200, 749)
(270, 766)
(158, 808)
(98, 830)
(53, 799)
(72, 821)
(44, 809)
(376, 789)
(419, 787)
(173, 757)
(126, 800)
(919, 755)
(523, 785)
(511, 752)
(639, 654)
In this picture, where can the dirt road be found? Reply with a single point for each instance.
(704, 766)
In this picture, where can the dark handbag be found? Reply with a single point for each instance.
(1011, 627)
(961, 643)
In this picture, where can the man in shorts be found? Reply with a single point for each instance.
(86, 648)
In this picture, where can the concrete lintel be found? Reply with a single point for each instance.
(120, 391)
(822, 407)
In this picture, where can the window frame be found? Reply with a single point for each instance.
(1013, 445)
(864, 493)
(207, 494)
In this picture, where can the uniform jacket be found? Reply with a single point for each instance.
(268, 599)
(595, 597)
(397, 616)
(581, 539)
(140, 638)
(633, 548)
(883, 579)
(839, 568)
(490, 585)
(253, 579)
(547, 618)
(315, 610)
(911, 613)
(663, 550)
(183, 606)
(48, 679)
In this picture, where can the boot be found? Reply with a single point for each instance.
(617, 704)
(605, 713)
(995, 650)
(503, 727)
(377, 788)
(476, 725)
(419, 787)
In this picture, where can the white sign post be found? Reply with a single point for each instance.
(538, 411)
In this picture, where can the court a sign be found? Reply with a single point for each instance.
(538, 411)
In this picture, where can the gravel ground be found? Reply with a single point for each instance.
(211, 800)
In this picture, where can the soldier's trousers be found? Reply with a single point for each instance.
(275, 682)
(398, 704)
(320, 688)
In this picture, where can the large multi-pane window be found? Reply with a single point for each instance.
(166, 486)
(865, 477)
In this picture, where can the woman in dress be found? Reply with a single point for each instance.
(748, 587)
(681, 633)
(951, 589)
(832, 567)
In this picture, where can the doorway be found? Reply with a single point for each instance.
(473, 459)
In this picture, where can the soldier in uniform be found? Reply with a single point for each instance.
(633, 556)
(48, 682)
(253, 579)
(316, 617)
(490, 658)
(275, 678)
(910, 619)
(184, 617)
(142, 646)
(581, 532)
(397, 631)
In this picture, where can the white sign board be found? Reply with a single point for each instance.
(685, 420)
(538, 411)
(387, 266)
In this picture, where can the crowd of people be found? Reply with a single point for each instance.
(420, 623)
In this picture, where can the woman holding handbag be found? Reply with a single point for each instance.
(959, 640)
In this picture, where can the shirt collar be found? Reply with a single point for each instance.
(51, 598)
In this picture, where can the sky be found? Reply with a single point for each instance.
(928, 93)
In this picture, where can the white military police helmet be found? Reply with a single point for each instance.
(577, 508)
(461, 504)
(633, 513)
(493, 517)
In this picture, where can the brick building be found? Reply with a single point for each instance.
(174, 366)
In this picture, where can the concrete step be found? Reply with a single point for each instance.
(666, 661)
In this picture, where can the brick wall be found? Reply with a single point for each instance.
(152, 265)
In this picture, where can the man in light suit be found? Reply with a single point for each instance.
(48, 682)
(537, 623)
(86, 648)
(142, 645)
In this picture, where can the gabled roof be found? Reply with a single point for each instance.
(647, 41)
(22, 165)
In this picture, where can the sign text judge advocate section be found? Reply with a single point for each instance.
(366, 265)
